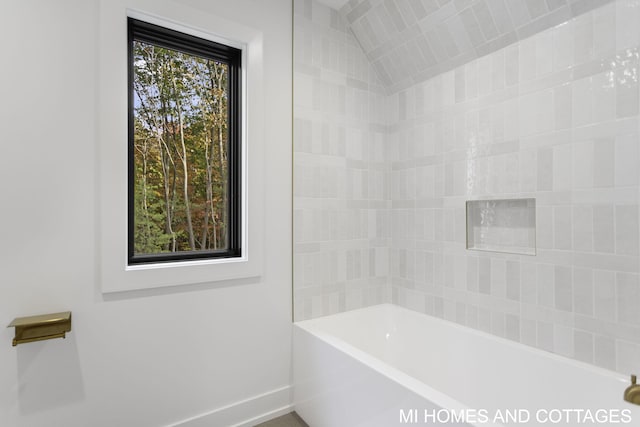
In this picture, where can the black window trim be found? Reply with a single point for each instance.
(168, 38)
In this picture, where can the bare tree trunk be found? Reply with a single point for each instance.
(145, 197)
(210, 205)
(223, 177)
(166, 160)
(205, 224)
(169, 189)
(185, 168)
(221, 121)
(168, 229)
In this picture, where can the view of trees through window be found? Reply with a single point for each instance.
(180, 151)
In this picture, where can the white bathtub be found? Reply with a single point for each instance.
(387, 366)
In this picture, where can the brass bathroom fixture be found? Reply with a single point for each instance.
(632, 393)
(42, 327)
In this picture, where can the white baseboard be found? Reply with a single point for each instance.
(245, 413)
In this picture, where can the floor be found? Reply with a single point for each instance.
(290, 420)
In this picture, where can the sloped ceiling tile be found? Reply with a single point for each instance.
(409, 41)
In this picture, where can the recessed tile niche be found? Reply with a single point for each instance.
(507, 225)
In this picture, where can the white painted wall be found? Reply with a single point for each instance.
(146, 358)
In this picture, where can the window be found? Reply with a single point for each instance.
(121, 268)
(184, 147)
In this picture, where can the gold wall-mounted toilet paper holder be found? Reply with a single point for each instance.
(42, 327)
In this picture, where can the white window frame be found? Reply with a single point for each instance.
(115, 273)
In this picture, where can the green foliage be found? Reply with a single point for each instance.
(180, 151)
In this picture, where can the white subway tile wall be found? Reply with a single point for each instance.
(341, 201)
(555, 117)
(410, 41)
(383, 167)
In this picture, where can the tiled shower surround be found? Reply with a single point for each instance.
(385, 173)
(410, 41)
(341, 170)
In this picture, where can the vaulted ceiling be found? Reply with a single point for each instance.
(409, 41)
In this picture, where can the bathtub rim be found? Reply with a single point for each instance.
(441, 399)
(390, 372)
(390, 307)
